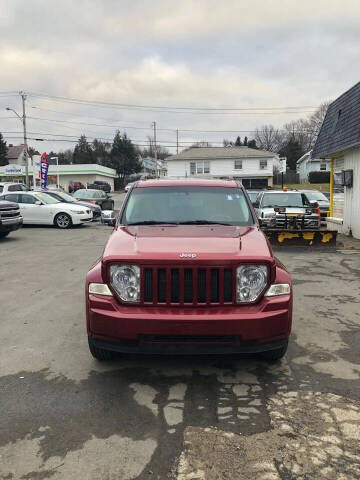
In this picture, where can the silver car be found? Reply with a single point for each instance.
(286, 210)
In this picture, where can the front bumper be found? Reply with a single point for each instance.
(10, 224)
(173, 348)
(212, 329)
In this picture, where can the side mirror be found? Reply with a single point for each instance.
(314, 204)
(38, 202)
(256, 204)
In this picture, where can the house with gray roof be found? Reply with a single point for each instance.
(253, 167)
(15, 154)
(339, 141)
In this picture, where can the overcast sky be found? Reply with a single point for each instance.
(188, 53)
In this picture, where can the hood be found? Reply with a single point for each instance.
(80, 203)
(70, 206)
(5, 205)
(171, 244)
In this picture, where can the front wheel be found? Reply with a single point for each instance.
(274, 355)
(4, 234)
(99, 353)
(63, 220)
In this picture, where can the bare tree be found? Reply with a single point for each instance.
(149, 151)
(305, 131)
(316, 120)
(268, 138)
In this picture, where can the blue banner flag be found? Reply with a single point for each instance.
(44, 167)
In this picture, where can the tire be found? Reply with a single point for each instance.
(4, 234)
(99, 353)
(63, 220)
(274, 355)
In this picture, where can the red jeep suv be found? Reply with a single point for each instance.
(188, 270)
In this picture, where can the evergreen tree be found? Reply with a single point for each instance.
(292, 151)
(101, 152)
(238, 142)
(123, 157)
(65, 157)
(3, 151)
(252, 144)
(82, 151)
(245, 142)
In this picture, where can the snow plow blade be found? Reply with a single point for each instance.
(294, 238)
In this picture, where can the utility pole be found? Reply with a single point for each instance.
(155, 151)
(177, 141)
(23, 97)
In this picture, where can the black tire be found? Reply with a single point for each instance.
(99, 353)
(274, 355)
(63, 220)
(4, 234)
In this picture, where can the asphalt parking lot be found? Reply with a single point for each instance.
(65, 416)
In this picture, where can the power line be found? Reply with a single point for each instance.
(168, 108)
(84, 115)
(159, 129)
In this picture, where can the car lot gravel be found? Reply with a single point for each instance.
(65, 416)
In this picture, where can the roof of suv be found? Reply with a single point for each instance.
(192, 182)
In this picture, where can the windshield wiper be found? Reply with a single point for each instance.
(203, 222)
(151, 222)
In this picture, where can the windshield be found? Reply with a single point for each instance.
(253, 195)
(316, 197)
(89, 194)
(282, 200)
(66, 197)
(45, 198)
(184, 204)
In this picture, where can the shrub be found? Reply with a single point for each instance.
(319, 177)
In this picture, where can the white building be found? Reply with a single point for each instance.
(253, 167)
(339, 141)
(16, 154)
(307, 164)
(84, 173)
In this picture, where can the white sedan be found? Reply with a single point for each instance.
(38, 208)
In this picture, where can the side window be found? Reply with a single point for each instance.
(15, 188)
(29, 199)
(12, 197)
(238, 164)
(263, 164)
(305, 200)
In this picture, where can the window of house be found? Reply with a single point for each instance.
(323, 166)
(200, 167)
(238, 164)
(263, 164)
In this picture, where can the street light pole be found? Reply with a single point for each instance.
(23, 97)
(23, 119)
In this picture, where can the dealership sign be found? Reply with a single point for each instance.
(12, 170)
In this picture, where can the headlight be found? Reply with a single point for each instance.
(79, 212)
(125, 279)
(278, 289)
(250, 282)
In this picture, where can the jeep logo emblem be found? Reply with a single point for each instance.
(187, 255)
